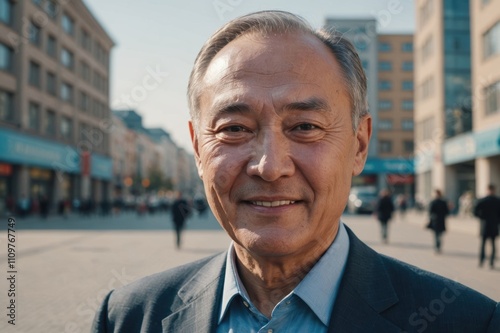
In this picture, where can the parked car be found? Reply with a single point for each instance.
(362, 199)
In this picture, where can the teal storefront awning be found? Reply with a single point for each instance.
(23, 149)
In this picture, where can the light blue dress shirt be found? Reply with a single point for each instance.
(306, 309)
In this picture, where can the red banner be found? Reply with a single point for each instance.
(85, 163)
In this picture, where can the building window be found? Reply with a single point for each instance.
(51, 8)
(407, 66)
(67, 58)
(84, 101)
(34, 74)
(408, 146)
(407, 124)
(67, 92)
(427, 49)
(84, 71)
(35, 34)
(427, 88)
(491, 41)
(68, 24)
(85, 40)
(385, 85)
(6, 58)
(51, 84)
(33, 116)
(385, 146)
(6, 7)
(66, 128)
(52, 46)
(492, 98)
(6, 106)
(407, 105)
(50, 123)
(385, 124)
(407, 47)
(384, 47)
(384, 104)
(407, 85)
(385, 66)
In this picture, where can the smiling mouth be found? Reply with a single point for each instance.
(273, 203)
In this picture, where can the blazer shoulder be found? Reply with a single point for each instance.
(141, 305)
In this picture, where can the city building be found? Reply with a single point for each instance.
(457, 104)
(387, 61)
(485, 33)
(395, 109)
(54, 102)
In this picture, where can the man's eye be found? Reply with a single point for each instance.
(306, 127)
(234, 129)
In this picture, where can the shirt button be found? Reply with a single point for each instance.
(245, 304)
(288, 302)
(270, 331)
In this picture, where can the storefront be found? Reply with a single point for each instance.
(41, 167)
(392, 173)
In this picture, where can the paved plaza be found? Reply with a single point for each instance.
(66, 266)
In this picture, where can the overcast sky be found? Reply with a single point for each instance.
(158, 40)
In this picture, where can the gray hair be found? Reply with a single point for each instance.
(280, 22)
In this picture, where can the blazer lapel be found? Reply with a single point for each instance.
(365, 291)
(201, 298)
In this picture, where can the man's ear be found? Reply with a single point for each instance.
(363, 135)
(194, 141)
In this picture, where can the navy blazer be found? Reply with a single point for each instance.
(377, 294)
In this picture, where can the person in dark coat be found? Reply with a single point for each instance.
(438, 211)
(180, 212)
(384, 210)
(488, 211)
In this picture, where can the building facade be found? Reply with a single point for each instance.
(457, 101)
(395, 109)
(54, 102)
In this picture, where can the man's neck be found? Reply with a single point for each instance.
(269, 281)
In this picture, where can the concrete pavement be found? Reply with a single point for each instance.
(65, 267)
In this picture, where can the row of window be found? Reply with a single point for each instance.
(385, 85)
(385, 146)
(65, 91)
(387, 47)
(49, 123)
(386, 66)
(387, 124)
(34, 32)
(386, 104)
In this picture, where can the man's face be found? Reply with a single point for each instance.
(275, 145)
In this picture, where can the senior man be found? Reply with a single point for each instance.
(280, 124)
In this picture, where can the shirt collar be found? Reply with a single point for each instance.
(318, 289)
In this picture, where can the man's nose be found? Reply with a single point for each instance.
(272, 159)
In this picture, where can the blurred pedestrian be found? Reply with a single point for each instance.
(488, 211)
(44, 206)
(402, 205)
(180, 212)
(438, 211)
(24, 205)
(465, 203)
(383, 211)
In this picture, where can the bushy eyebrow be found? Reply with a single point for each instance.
(310, 104)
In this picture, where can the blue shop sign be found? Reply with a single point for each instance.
(488, 143)
(101, 167)
(22, 149)
(401, 166)
(459, 149)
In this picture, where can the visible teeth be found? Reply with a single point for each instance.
(273, 203)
